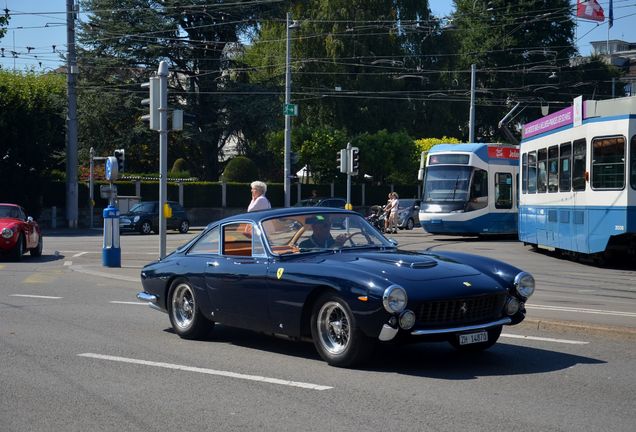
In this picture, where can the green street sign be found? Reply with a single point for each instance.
(290, 109)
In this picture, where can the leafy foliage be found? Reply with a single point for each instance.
(240, 169)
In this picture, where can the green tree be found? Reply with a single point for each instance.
(390, 157)
(240, 169)
(32, 110)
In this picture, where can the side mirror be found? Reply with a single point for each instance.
(29, 219)
(393, 242)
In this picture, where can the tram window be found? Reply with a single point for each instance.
(478, 190)
(608, 163)
(542, 172)
(503, 190)
(532, 172)
(578, 165)
(524, 173)
(553, 169)
(632, 162)
(565, 168)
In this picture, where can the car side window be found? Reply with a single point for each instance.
(176, 207)
(208, 244)
(237, 239)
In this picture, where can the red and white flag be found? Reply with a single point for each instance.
(590, 10)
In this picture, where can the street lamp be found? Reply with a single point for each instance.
(287, 156)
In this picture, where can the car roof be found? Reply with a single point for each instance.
(9, 204)
(260, 215)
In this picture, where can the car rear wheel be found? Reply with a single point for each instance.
(184, 226)
(37, 251)
(335, 333)
(145, 227)
(186, 318)
(493, 336)
(410, 224)
(18, 251)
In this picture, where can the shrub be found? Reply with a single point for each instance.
(240, 169)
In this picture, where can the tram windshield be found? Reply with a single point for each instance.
(447, 185)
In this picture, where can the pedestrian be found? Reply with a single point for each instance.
(259, 200)
(387, 212)
(393, 212)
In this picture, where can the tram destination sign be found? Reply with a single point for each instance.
(549, 122)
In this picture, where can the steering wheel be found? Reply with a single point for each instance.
(358, 233)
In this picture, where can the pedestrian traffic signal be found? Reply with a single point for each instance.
(341, 157)
(153, 102)
(120, 155)
(354, 163)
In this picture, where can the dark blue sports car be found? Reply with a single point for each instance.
(326, 274)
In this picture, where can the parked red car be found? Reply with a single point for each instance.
(18, 233)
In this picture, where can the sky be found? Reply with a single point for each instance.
(37, 30)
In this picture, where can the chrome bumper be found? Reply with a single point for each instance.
(503, 321)
(151, 299)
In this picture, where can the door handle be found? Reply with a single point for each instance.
(212, 263)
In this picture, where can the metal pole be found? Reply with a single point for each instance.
(71, 120)
(163, 153)
(287, 153)
(348, 173)
(471, 121)
(90, 185)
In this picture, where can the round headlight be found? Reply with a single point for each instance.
(7, 233)
(512, 306)
(394, 299)
(524, 284)
(407, 319)
(136, 219)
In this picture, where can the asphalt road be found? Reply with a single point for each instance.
(79, 353)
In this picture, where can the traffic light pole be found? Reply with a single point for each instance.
(348, 176)
(163, 154)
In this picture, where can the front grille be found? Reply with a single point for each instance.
(460, 311)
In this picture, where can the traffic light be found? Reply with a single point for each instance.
(341, 157)
(153, 102)
(354, 161)
(120, 155)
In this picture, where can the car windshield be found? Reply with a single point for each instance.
(9, 212)
(147, 207)
(406, 203)
(318, 232)
(306, 203)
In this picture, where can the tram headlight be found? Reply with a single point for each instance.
(524, 284)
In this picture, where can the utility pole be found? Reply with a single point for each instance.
(287, 151)
(71, 120)
(471, 121)
(163, 154)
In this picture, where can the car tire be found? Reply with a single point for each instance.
(410, 223)
(184, 226)
(18, 251)
(493, 336)
(37, 251)
(145, 227)
(335, 333)
(185, 316)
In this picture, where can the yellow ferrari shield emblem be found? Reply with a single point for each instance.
(279, 272)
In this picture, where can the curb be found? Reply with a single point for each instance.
(579, 327)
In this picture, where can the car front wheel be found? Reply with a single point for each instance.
(186, 318)
(37, 251)
(335, 333)
(493, 336)
(410, 224)
(18, 251)
(145, 227)
(184, 226)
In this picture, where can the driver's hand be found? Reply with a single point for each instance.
(341, 239)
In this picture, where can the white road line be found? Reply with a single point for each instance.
(68, 263)
(79, 254)
(535, 338)
(35, 296)
(207, 371)
(129, 303)
(581, 310)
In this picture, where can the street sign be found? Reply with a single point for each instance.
(106, 191)
(290, 109)
(112, 173)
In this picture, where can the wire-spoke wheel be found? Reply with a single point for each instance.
(336, 336)
(185, 316)
(18, 251)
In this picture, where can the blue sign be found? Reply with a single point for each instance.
(111, 168)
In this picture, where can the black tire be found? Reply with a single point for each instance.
(37, 251)
(18, 251)
(335, 333)
(145, 227)
(187, 320)
(184, 226)
(493, 336)
(410, 223)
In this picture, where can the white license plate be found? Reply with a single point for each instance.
(471, 338)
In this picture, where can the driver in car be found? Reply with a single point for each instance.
(321, 234)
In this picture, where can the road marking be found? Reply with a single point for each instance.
(68, 263)
(38, 278)
(1, 266)
(535, 338)
(35, 296)
(581, 310)
(129, 303)
(79, 254)
(207, 371)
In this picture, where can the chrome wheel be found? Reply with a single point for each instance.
(146, 228)
(183, 307)
(334, 329)
(184, 227)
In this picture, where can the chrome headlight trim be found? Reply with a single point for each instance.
(394, 299)
(7, 233)
(524, 284)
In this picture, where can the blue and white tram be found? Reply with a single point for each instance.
(578, 169)
(469, 189)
